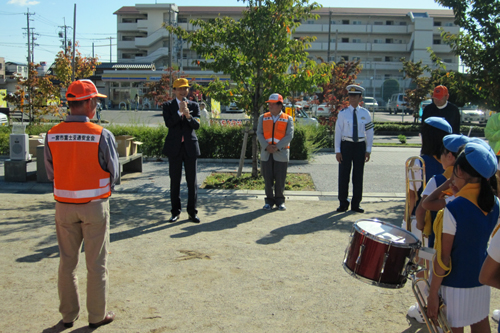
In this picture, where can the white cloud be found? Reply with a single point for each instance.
(23, 2)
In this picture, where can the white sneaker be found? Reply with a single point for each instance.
(414, 312)
(496, 315)
(267, 207)
(282, 207)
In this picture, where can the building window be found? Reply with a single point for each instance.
(344, 57)
(398, 41)
(356, 58)
(377, 59)
(387, 76)
(388, 59)
(345, 40)
(402, 23)
(128, 38)
(332, 22)
(449, 61)
(356, 22)
(436, 41)
(356, 40)
(378, 41)
(333, 40)
(310, 22)
(127, 56)
(182, 20)
(448, 24)
(437, 23)
(128, 20)
(389, 41)
(332, 58)
(389, 22)
(378, 23)
(345, 21)
(125, 84)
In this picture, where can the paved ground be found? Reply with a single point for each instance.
(240, 270)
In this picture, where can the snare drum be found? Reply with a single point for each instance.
(378, 253)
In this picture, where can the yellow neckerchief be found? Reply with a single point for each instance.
(428, 218)
(470, 192)
(437, 158)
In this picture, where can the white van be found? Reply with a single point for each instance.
(397, 104)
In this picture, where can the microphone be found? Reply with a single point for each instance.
(184, 99)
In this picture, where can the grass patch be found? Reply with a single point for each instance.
(229, 181)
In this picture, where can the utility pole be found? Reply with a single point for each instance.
(110, 50)
(33, 38)
(93, 50)
(74, 45)
(29, 60)
(329, 36)
(65, 27)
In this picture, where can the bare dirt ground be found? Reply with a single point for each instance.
(241, 270)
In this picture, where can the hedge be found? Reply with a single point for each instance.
(215, 141)
(218, 141)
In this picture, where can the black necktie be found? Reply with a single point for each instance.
(354, 126)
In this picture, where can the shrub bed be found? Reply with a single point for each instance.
(215, 141)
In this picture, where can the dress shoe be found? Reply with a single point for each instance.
(358, 210)
(174, 218)
(110, 316)
(70, 324)
(342, 209)
(194, 218)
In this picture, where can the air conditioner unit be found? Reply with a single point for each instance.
(19, 150)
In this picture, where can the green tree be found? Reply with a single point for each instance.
(421, 83)
(389, 87)
(477, 44)
(259, 54)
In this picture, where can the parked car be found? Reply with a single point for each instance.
(302, 118)
(397, 104)
(370, 103)
(322, 110)
(231, 108)
(472, 113)
(4, 121)
(382, 105)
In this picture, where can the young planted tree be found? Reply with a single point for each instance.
(423, 83)
(259, 54)
(343, 74)
(84, 66)
(35, 96)
(160, 91)
(477, 44)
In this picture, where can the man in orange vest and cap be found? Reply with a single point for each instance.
(81, 159)
(275, 132)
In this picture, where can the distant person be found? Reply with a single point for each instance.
(136, 99)
(204, 114)
(443, 109)
(182, 117)
(81, 158)
(353, 146)
(275, 132)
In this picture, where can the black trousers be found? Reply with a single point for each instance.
(353, 156)
(274, 173)
(175, 171)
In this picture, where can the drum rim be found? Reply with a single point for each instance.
(385, 241)
(372, 282)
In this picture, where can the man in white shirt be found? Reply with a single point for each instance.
(353, 146)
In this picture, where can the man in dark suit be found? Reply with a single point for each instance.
(182, 117)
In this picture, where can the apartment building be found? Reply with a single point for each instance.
(377, 37)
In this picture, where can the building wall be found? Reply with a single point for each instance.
(379, 38)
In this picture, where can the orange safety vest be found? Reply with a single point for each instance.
(78, 176)
(274, 131)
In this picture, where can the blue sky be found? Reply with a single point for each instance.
(95, 23)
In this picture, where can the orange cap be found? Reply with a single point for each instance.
(275, 98)
(440, 92)
(82, 90)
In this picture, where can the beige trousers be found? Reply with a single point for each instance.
(88, 223)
